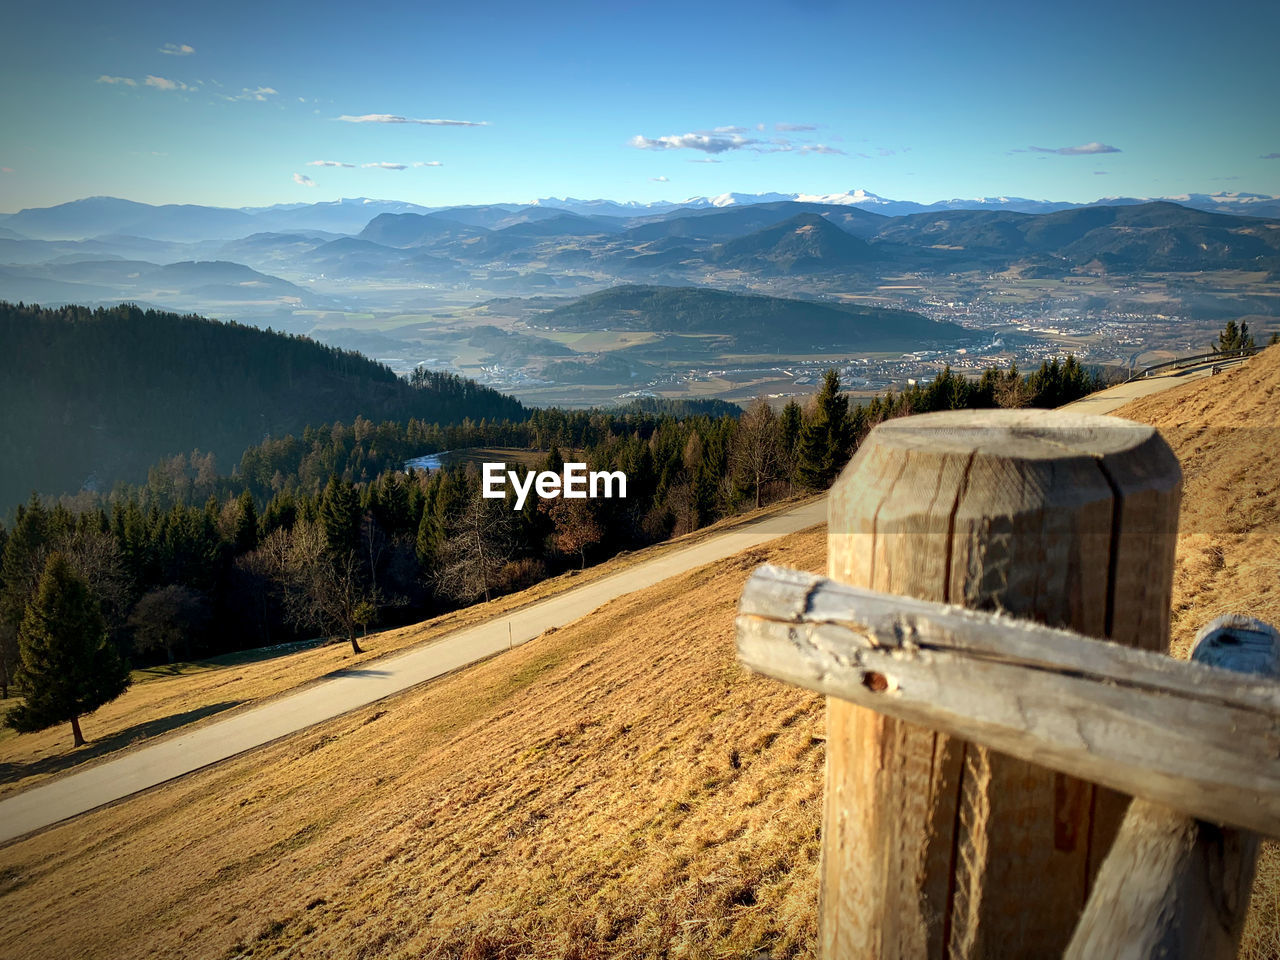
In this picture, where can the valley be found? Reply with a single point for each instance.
(532, 299)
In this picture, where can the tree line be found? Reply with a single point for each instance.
(327, 533)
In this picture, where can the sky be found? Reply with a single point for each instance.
(250, 104)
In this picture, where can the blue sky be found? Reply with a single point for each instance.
(237, 104)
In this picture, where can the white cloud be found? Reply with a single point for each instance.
(258, 93)
(392, 118)
(428, 163)
(820, 148)
(127, 81)
(659, 179)
(328, 163)
(704, 160)
(303, 180)
(1085, 149)
(161, 83)
(384, 165)
(178, 49)
(706, 143)
(793, 127)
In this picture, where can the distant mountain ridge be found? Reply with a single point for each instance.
(96, 216)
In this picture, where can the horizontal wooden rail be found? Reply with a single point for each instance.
(1198, 739)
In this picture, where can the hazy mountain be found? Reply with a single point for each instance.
(1156, 236)
(336, 216)
(412, 229)
(103, 215)
(755, 322)
(803, 244)
(716, 223)
(183, 285)
(562, 225)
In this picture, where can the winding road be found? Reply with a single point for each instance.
(350, 689)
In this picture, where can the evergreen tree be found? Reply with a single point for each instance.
(1234, 339)
(246, 531)
(340, 518)
(21, 564)
(68, 666)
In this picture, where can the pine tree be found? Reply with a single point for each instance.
(21, 563)
(340, 518)
(246, 531)
(69, 668)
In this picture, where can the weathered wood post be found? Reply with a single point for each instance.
(932, 846)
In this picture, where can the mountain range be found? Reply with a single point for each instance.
(96, 216)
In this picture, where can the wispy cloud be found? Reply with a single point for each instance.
(427, 163)
(704, 160)
(1101, 173)
(704, 142)
(328, 163)
(659, 179)
(793, 127)
(392, 118)
(1270, 156)
(178, 49)
(162, 83)
(6, 169)
(257, 93)
(303, 180)
(1085, 149)
(724, 139)
(384, 165)
(126, 81)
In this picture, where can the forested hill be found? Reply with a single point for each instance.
(97, 396)
(751, 320)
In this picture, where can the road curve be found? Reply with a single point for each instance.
(358, 686)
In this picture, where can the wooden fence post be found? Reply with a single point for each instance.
(1175, 887)
(932, 846)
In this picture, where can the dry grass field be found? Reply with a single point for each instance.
(618, 787)
(1226, 432)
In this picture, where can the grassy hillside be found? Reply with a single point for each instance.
(99, 396)
(616, 787)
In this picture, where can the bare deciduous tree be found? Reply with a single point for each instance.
(478, 547)
(757, 448)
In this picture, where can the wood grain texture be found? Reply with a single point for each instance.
(932, 844)
(1185, 734)
(1176, 888)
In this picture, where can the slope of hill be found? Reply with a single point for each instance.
(96, 397)
(1152, 236)
(413, 229)
(804, 244)
(751, 320)
(618, 787)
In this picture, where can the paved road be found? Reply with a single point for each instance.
(1108, 400)
(148, 766)
(350, 689)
